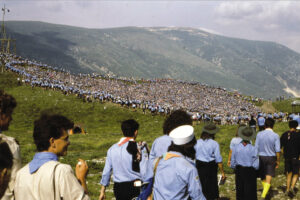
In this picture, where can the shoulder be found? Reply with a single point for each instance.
(10, 140)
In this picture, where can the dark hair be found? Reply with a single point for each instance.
(7, 103)
(269, 123)
(6, 157)
(177, 118)
(186, 149)
(129, 127)
(205, 135)
(49, 126)
(293, 124)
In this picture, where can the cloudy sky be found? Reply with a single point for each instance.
(277, 21)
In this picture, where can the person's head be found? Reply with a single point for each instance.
(130, 128)
(6, 162)
(209, 131)
(7, 105)
(51, 133)
(293, 124)
(183, 141)
(269, 123)
(177, 118)
(239, 126)
(246, 133)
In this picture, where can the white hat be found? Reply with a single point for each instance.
(182, 134)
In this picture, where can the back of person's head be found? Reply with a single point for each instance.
(269, 123)
(6, 162)
(239, 126)
(129, 127)
(7, 103)
(49, 126)
(183, 141)
(293, 124)
(177, 118)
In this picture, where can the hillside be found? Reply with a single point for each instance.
(257, 68)
(102, 122)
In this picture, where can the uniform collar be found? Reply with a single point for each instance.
(39, 159)
(123, 140)
(171, 154)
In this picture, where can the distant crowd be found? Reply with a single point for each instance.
(178, 166)
(158, 96)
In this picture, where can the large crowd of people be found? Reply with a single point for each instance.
(177, 167)
(156, 95)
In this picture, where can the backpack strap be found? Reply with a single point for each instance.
(54, 169)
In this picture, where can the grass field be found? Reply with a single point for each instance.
(102, 123)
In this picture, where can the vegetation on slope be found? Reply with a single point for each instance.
(102, 122)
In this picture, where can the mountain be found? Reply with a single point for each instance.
(264, 69)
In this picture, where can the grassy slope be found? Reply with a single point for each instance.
(102, 122)
(285, 106)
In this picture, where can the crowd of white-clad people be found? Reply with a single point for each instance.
(157, 96)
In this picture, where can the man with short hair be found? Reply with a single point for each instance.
(268, 145)
(44, 177)
(290, 143)
(7, 105)
(123, 159)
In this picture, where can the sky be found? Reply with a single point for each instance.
(277, 21)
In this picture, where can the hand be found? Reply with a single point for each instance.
(102, 196)
(81, 170)
(223, 176)
(277, 164)
(228, 163)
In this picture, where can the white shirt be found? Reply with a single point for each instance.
(43, 185)
(15, 150)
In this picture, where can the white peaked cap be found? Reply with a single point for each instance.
(182, 134)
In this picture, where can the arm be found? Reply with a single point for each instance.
(81, 171)
(220, 165)
(105, 175)
(233, 162)
(229, 158)
(102, 193)
(194, 185)
(278, 159)
(277, 148)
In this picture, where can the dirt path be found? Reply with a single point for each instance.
(267, 107)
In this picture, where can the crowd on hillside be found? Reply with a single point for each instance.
(157, 95)
(178, 166)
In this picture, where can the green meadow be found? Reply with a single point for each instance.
(102, 124)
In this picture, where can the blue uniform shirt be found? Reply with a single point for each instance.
(208, 150)
(267, 143)
(119, 161)
(246, 156)
(234, 141)
(176, 179)
(159, 147)
(261, 121)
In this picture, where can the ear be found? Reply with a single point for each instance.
(52, 143)
(136, 133)
(3, 173)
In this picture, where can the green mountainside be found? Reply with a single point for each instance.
(252, 67)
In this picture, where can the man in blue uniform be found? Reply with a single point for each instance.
(268, 145)
(123, 158)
